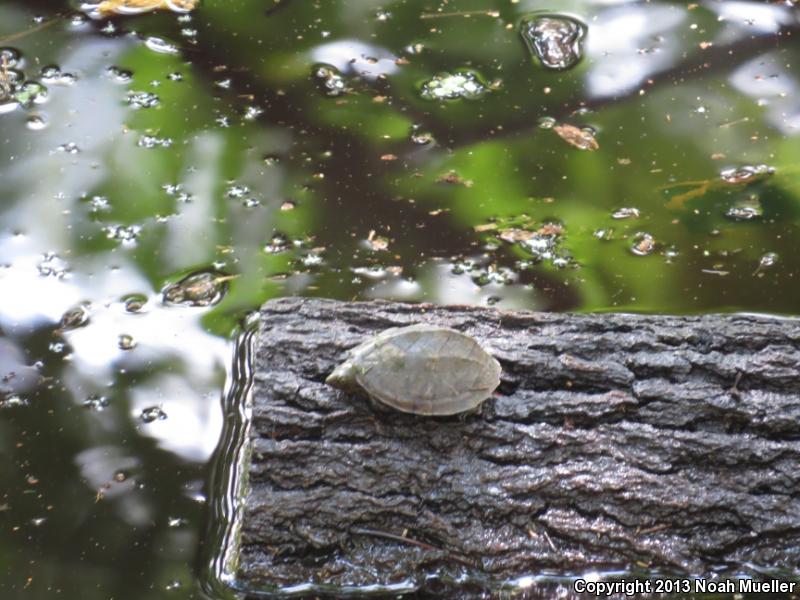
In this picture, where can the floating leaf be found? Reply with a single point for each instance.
(580, 138)
(108, 8)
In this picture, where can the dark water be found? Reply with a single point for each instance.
(413, 150)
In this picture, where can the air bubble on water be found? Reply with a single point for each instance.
(175, 76)
(312, 259)
(251, 203)
(625, 213)
(198, 289)
(123, 233)
(119, 75)
(74, 318)
(643, 244)
(225, 84)
(57, 347)
(271, 160)
(98, 203)
(69, 148)
(279, 243)
(546, 122)
(189, 32)
(13, 401)
(35, 123)
(160, 45)
(176, 522)
(420, 137)
(251, 113)
(78, 20)
(138, 100)
(237, 191)
(52, 266)
(172, 585)
(746, 210)
(126, 342)
(95, 403)
(745, 174)
(374, 272)
(152, 413)
(383, 15)
(10, 58)
(766, 261)
(53, 74)
(605, 234)
(671, 253)
(135, 303)
(461, 84)
(329, 80)
(555, 40)
(151, 141)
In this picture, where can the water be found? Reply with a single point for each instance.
(165, 173)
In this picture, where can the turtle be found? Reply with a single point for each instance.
(420, 369)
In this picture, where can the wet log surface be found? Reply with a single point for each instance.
(614, 442)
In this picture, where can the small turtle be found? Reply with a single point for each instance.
(420, 369)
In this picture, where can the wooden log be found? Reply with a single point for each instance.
(615, 442)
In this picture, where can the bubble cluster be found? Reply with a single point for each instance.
(329, 80)
(461, 84)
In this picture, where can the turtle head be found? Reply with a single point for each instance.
(343, 377)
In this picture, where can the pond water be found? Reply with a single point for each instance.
(165, 173)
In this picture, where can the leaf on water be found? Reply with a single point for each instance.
(580, 138)
(108, 8)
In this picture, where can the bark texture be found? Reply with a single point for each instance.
(614, 442)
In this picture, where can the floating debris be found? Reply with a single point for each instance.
(107, 8)
(376, 242)
(330, 80)
(745, 174)
(422, 138)
(583, 139)
(643, 244)
(199, 289)
(453, 178)
(625, 213)
(461, 84)
(541, 242)
(555, 40)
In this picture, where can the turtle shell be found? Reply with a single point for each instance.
(426, 370)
